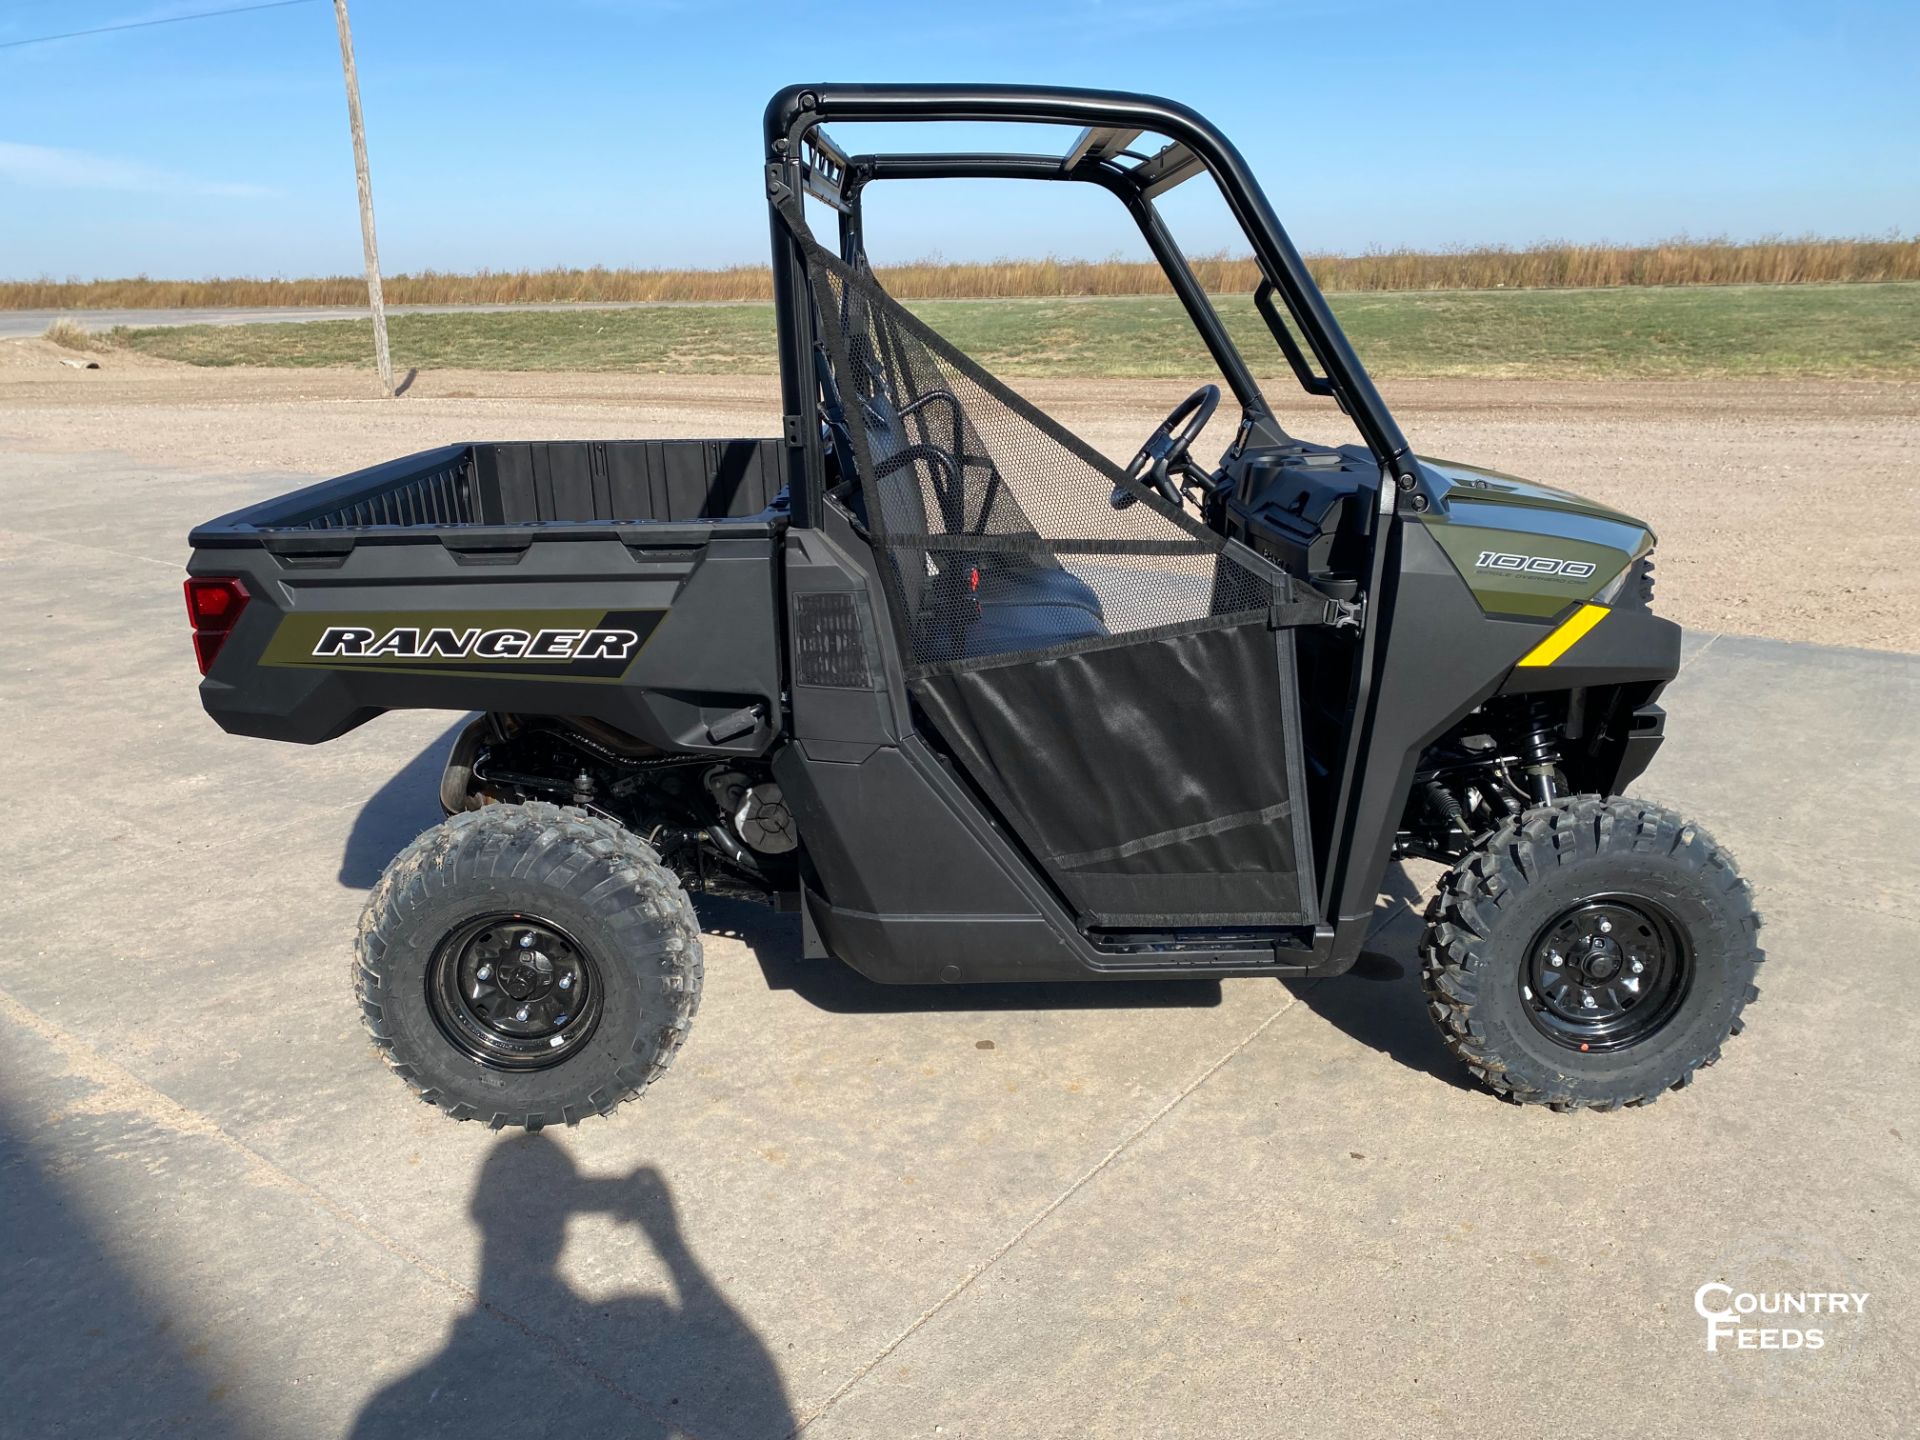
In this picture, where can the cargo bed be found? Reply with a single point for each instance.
(583, 578)
(527, 483)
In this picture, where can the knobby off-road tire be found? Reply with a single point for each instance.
(1497, 947)
(579, 893)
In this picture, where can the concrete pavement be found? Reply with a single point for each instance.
(1239, 1210)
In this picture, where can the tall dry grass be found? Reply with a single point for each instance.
(70, 335)
(1675, 262)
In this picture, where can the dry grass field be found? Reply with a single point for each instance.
(1806, 260)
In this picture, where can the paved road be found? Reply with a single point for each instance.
(1252, 1210)
(24, 324)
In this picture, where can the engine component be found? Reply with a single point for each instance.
(728, 787)
(758, 811)
(764, 821)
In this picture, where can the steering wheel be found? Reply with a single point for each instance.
(1166, 449)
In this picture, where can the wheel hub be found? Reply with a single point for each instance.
(529, 980)
(1602, 960)
(514, 992)
(1606, 973)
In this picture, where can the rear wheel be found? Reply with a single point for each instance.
(527, 964)
(1591, 953)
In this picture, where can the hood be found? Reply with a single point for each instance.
(1526, 549)
(1472, 483)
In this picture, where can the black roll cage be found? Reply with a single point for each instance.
(803, 160)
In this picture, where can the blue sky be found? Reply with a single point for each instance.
(626, 132)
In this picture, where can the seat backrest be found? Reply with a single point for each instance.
(900, 468)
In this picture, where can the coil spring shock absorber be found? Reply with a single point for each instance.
(1540, 748)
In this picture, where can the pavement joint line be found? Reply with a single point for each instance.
(175, 565)
(1401, 905)
(1698, 653)
(130, 1093)
(966, 1282)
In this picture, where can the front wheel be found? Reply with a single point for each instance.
(527, 965)
(1591, 953)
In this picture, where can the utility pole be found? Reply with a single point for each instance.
(381, 357)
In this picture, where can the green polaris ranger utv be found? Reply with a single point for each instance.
(979, 704)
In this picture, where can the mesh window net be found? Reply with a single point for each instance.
(1109, 678)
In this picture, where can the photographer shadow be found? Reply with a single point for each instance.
(535, 1357)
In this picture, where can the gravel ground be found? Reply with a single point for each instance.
(1784, 508)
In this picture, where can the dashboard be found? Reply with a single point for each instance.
(1305, 507)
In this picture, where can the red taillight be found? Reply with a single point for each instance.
(214, 604)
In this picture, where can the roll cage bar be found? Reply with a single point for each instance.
(803, 160)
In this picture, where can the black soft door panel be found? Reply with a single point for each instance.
(1155, 779)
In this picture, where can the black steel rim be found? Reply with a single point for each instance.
(1607, 973)
(514, 992)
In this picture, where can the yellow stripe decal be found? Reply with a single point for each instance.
(1565, 635)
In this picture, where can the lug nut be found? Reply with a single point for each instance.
(1638, 966)
(526, 941)
(566, 982)
(521, 1013)
(1555, 961)
(1606, 927)
(483, 972)
(1586, 1002)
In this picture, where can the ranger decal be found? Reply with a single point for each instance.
(405, 642)
(551, 644)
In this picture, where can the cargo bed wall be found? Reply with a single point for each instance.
(626, 479)
(529, 482)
